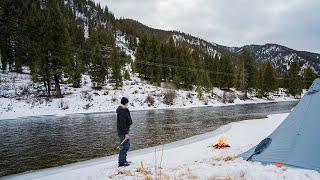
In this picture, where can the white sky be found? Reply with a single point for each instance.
(293, 23)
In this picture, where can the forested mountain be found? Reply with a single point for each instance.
(62, 39)
(281, 56)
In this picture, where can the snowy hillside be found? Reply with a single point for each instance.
(210, 48)
(281, 56)
(20, 98)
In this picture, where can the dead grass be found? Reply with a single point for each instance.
(150, 100)
(146, 174)
(187, 175)
(221, 178)
(122, 173)
(225, 159)
(169, 97)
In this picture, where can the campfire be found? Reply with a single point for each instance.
(221, 144)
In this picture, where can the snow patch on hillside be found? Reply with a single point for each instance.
(198, 42)
(122, 43)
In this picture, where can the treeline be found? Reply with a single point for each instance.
(177, 62)
(60, 40)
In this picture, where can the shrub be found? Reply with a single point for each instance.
(113, 99)
(63, 105)
(9, 107)
(86, 96)
(228, 97)
(85, 81)
(25, 90)
(189, 95)
(106, 93)
(169, 97)
(242, 97)
(206, 101)
(149, 100)
(87, 106)
(200, 93)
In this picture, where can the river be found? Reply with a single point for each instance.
(33, 143)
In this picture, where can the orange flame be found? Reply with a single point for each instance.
(221, 143)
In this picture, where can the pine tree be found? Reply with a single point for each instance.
(214, 68)
(226, 72)
(308, 77)
(185, 66)
(156, 60)
(126, 75)
(97, 69)
(295, 84)
(74, 65)
(245, 74)
(101, 44)
(58, 43)
(171, 56)
(267, 81)
(116, 67)
(141, 59)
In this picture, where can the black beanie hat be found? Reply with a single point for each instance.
(124, 101)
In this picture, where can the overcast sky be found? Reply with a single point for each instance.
(293, 23)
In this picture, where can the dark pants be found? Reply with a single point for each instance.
(123, 149)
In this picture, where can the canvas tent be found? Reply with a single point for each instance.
(296, 142)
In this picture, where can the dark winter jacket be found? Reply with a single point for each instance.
(123, 120)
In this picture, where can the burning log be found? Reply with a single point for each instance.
(221, 144)
(279, 164)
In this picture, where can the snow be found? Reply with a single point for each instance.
(191, 158)
(197, 42)
(18, 98)
(122, 43)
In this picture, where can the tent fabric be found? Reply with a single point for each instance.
(296, 141)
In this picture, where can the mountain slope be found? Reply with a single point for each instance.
(279, 55)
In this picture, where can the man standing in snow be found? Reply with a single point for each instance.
(123, 126)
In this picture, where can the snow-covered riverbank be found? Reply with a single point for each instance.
(188, 159)
(19, 99)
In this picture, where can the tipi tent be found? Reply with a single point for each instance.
(296, 142)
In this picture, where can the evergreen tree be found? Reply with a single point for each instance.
(295, 84)
(141, 59)
(308, 77)
(126, 75)
(101, 44)
(227, 70)
(185, 66)
(51, 50)
(245, 74)
(215, 69)
(156, 60)
(267, 81)
(116, 67)
(97, 69)
(58, 43)
(74, 65)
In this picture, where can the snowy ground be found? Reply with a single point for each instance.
(18, 98)
(188, 159)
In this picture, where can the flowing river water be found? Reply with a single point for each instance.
(33, 143)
